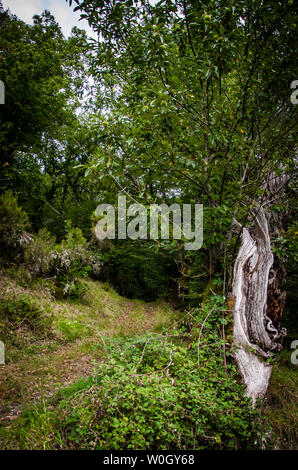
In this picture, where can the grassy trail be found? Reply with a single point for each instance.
(37, 367)
(41, 363)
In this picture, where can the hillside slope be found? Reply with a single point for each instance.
(64, 343)
(68, 360)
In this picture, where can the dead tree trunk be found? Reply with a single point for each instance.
(256, 336)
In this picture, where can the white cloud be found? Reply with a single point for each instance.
(66, 17)
(63, 13)
(24, 9)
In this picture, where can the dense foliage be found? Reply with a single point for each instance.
(178, 101)
(153, 394)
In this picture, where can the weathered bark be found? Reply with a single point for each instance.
(255, 335)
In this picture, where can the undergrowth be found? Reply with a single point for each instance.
(281, 406)
(22, 310)
(151, 392)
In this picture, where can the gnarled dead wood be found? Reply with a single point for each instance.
(255, 336)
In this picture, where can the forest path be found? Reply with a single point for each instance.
(36, 368)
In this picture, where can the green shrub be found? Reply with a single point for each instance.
(65, 263)
(72, 329)
(38, 256)
(22, 310)
(70, 263)
(13, 225)
(74, 290)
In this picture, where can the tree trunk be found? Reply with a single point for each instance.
(255, 334)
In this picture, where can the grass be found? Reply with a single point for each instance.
(57, 350)
(281, 407)
(66, 344)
